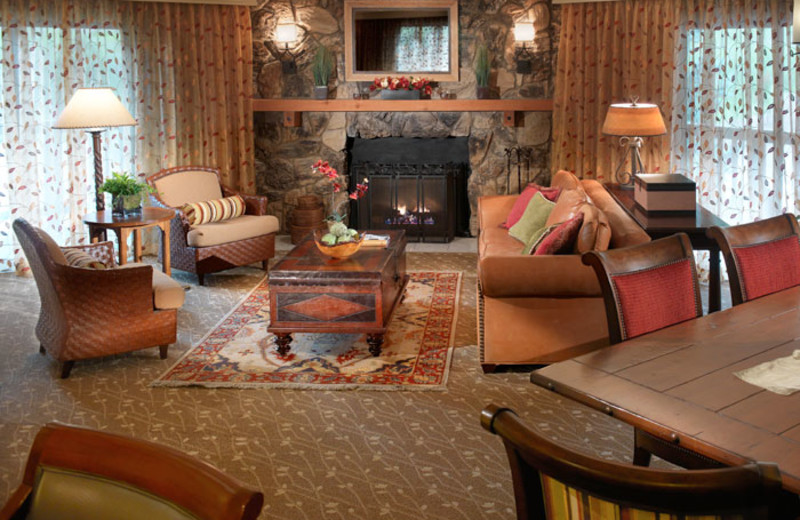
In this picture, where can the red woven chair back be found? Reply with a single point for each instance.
(648, 286)
(761, 257)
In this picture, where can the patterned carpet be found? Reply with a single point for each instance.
(315, 454)
(416, 352)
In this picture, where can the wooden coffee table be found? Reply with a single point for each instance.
(312, 292)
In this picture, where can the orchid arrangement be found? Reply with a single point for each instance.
(402, 83)
(324, 168)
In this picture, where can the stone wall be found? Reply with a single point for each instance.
(284, 155)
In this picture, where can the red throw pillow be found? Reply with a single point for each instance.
(561, 239)
(768, 268)
(524, 198)
(655, 298)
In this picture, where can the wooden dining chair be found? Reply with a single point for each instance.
(761, 257)
(647, 287)
(80, 473)
(553, 482)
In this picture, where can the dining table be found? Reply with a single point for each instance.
(679, 384)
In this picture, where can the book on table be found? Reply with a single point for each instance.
(373, 240)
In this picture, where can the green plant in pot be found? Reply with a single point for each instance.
(126, 194)
(482, 71)
(322, 68)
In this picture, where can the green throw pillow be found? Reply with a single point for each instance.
(533, 219)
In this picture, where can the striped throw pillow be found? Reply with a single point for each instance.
(79, 258)
(214, 210)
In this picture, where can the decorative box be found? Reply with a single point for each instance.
(664, 192)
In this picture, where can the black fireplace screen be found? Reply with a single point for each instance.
(416, 191)
(422, 199)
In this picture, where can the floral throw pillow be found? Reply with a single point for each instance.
(524, 198)
(217, 210)
(560, 238)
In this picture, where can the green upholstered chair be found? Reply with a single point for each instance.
(555, 483)
(80, 473)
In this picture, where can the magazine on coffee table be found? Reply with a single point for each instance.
(373, 240)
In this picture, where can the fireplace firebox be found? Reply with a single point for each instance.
(418, 185)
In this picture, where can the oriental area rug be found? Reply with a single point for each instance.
(416, 354)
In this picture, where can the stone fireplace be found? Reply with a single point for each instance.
(284, 155)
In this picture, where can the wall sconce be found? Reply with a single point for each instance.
(524, 33)
(286, 33)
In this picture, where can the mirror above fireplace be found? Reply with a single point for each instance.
(401, 38)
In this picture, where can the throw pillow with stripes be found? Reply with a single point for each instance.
(214, 210)
(79, 258)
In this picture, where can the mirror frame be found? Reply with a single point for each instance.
(351, 74)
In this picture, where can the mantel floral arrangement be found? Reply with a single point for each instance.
(402, 83)
(338, 232)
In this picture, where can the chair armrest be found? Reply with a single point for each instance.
(13, 507)
(101, 251)
(254, 204)
(115, 293)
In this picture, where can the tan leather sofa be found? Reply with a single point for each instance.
(541, 309)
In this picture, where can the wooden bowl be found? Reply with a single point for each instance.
(343, 250)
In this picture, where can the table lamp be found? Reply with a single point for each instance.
(632, 121)
(95, 109)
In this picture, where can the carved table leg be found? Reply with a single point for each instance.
(375, 341)
(283, 341)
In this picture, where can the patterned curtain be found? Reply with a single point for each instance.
(183, 71)
(736, 112)
(195, 88)
(46, 175)
(611, 52)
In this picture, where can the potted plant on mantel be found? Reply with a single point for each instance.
(322, 67)
(126, 194)
(482, 71)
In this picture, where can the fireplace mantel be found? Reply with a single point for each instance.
(292, 108)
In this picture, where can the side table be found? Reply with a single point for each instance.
(660, 224)
(99, 222)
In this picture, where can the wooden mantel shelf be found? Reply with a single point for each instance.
(293, 108)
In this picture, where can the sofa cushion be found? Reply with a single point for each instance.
(55, 251)
(624, 230)
(523, 200)
(181, 188)
(565, 181)
(568, 205)
(233, 230)
(533, 219)
(595, 233)
(79, 258)
(216, 210)
(167, 293)
(561, 238)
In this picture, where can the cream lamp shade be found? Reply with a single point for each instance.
(524, 32)
(634, 119)
(286, 33)
(94, 109)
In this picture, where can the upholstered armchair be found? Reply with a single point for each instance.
(207, 247)
(91, 308)
(80, 473)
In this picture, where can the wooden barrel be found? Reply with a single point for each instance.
(306, 217)
(308, 201)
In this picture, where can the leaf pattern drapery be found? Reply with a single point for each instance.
(737, 107)
(610, 52)
(183, 71)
